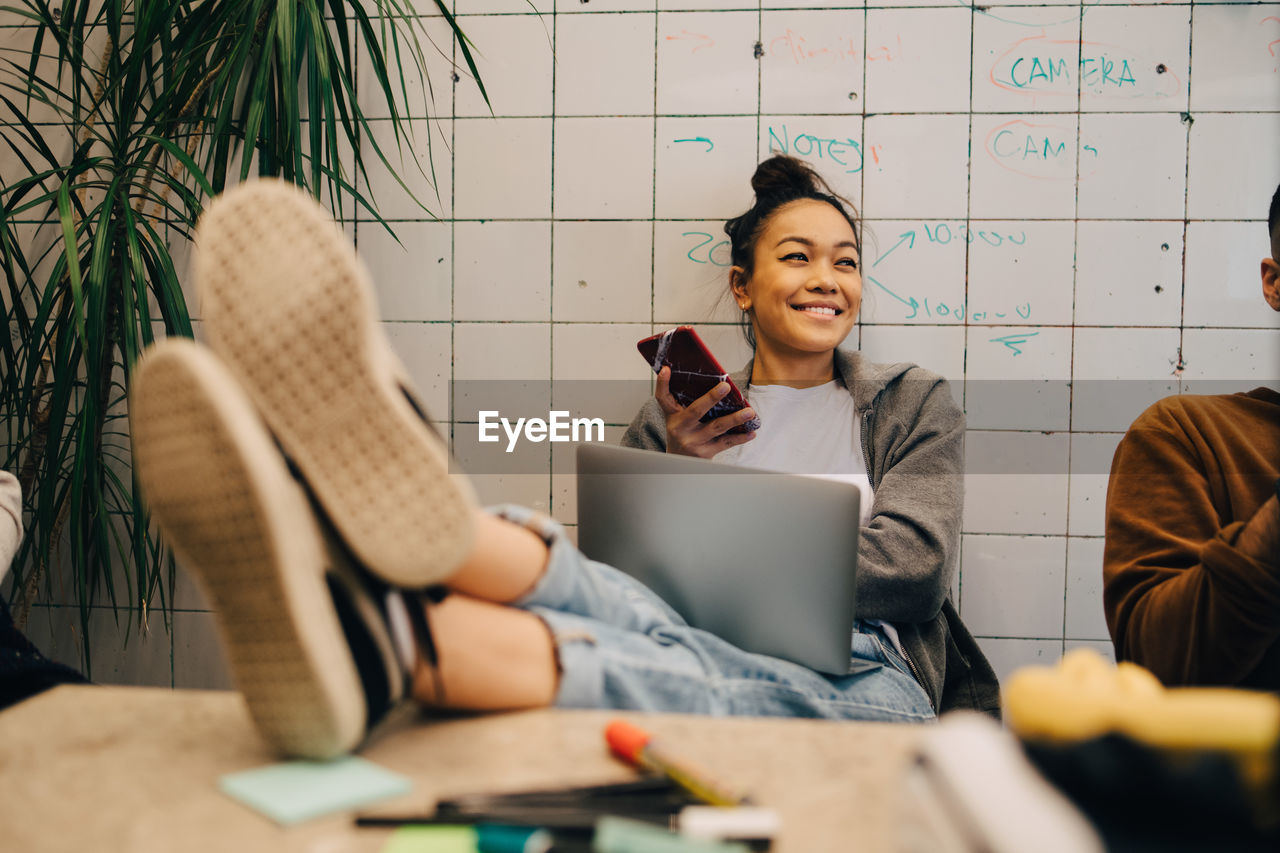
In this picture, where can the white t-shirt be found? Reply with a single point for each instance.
(811, 431)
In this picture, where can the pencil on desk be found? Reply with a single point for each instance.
(636, 746)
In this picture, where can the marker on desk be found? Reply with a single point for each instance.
(636, 746)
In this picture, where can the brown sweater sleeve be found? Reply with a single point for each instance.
(1180, 599)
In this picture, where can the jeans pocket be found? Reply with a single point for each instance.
(867, 646)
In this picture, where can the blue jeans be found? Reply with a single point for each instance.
(621, 646)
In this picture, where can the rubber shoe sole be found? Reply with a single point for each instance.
(226, 503)
(289, 307)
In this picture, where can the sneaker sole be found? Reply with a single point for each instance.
(225, 501)
(289, 308)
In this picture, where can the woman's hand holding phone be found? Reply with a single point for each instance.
(687, 434)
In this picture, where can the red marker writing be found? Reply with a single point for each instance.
(637, 747)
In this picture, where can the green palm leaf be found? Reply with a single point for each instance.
(145, 108)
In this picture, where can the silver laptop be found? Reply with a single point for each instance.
(766, 561)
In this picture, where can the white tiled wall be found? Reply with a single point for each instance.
(1035, 239)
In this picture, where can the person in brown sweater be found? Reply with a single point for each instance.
(1191, 568)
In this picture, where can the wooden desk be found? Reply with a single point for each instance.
(134, 769)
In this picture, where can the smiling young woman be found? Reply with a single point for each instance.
(893, 430)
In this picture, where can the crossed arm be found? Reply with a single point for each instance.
(1190, 593)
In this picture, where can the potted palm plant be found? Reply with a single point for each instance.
(118, 120)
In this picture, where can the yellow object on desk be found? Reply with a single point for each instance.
(1085, 696)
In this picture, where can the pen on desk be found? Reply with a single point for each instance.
(562, 819)
(647, 793)
(636, 746)
(643, 785)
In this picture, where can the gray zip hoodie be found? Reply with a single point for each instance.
(913, 441)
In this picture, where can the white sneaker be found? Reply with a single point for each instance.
(289, 308)
(305, 630)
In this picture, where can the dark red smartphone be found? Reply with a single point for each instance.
(694, 372)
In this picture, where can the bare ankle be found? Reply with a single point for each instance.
(490, 657)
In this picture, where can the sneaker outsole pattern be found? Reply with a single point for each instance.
(289, 308)
(223, 497)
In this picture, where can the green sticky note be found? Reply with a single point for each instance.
(432, 839)
(299, 790)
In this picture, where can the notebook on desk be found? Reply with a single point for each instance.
(764, 560)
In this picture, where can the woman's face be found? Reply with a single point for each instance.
(806, 287)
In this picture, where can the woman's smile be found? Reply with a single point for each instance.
(819, 310)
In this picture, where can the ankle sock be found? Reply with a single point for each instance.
(401, 629)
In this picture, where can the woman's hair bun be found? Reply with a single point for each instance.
(781, 175)
(777, 181)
